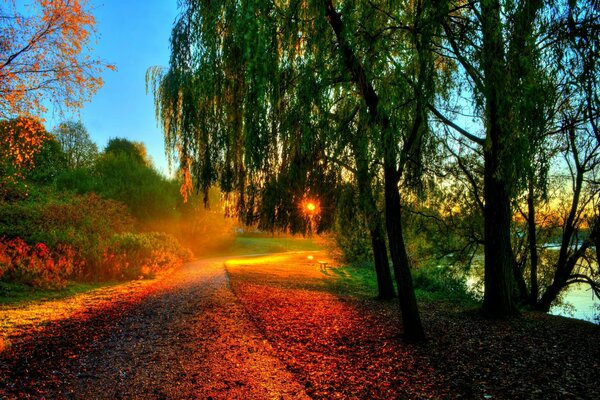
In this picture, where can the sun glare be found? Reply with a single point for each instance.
(310, 207)
(255, 260)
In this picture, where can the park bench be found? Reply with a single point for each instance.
(322, 265)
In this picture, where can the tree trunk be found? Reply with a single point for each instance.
(382, 267)
(520, 280)
(551, 293)
(411, 320)
(385, 286)
(561, 277)
(566, 262)
(533, 254)
(498, 300)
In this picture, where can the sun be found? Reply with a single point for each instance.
(310, 207)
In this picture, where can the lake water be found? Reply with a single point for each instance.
(578, 301)
(581, 303)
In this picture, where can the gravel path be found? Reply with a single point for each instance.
(189, 338)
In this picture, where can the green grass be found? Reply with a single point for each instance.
(355, 279)
(360, 280)
(260, 244)
(19, 294)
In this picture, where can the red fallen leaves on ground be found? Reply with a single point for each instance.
(347, 347)
(337, 351)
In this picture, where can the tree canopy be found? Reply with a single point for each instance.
(75, 141)
(45, 57)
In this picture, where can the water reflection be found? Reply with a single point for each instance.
(579, 302)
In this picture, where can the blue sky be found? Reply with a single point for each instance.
(133, 35)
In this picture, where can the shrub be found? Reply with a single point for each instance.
(51, 237)
(78, 180)
(89, 215)
(37, 265)
(135, 255)
(86, 224)
(441, 282)
(147, 194)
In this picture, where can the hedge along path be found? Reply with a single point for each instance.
(184, 336)
(337, 346)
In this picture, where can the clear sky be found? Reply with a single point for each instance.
(133, 35)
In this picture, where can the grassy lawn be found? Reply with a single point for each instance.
(265, 244)
(356, 279)
(359, 279)
(14, 294)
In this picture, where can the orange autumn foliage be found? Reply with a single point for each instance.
(44, 56)
(37, 265)
(20, 140)
(186, 185)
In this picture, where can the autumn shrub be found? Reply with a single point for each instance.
(89, 215)
(37, 265)
(84, 223)
(84, 249)
(87, 223)
(134, 255)
(53, 218)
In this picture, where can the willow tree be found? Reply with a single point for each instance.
(266, 96)
(243, 106)
(399, 118)
(234, 114)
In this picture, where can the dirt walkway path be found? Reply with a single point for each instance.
(187, 338)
